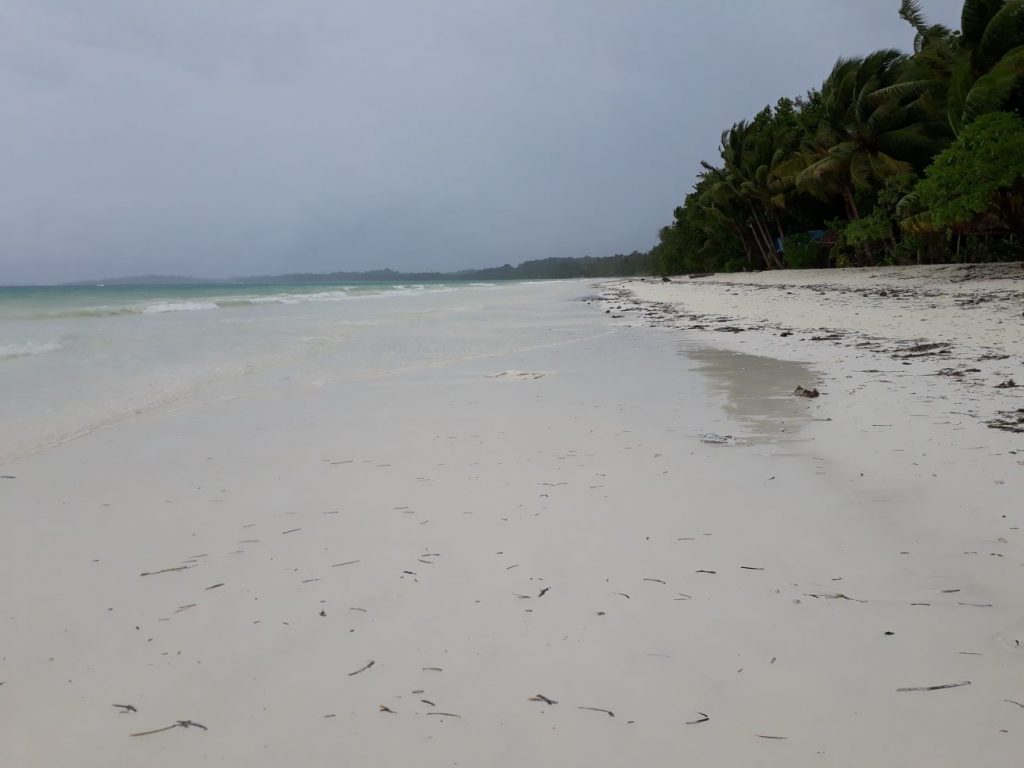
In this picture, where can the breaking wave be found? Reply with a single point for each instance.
(29, 348)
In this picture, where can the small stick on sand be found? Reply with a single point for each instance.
(167, 570)
(290, 530)
(350, 562)
(362, 669)
(542, 697)
(125, 708)
(836, 596)
(543, 591)
(444, 714)
(934, 687)
(657, 580)
(431, 669)
(598, 709)
(214, 586)
(704, 717)
(1011, 701)
(178, 724)
(777, 738)
(386, 709)
(157, 730)
(750, 568)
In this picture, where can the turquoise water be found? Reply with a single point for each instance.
(40, 303)
(76, 359)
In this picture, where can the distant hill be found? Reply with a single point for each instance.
(148, 280)
(620, 265)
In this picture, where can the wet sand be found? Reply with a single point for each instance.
(542, 555)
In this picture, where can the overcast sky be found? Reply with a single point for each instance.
(229, 137)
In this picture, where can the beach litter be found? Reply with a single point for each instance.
(803, 392)
(716, 439)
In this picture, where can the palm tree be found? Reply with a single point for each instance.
(982, 66)
(875, 126)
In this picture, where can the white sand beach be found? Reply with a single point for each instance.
(507, 539)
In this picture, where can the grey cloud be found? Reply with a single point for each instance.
(248, 136)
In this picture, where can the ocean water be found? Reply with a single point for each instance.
(77, 359)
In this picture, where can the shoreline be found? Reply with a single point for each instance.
(964, 323)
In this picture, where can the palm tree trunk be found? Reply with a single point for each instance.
(771, 259)
(852, 213)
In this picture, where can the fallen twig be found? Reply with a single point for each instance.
(836, 596)
(1011, 701)
(125, 708)
(178, 724)
(704, 717)
(542, 697)
(444, 714)
(167, 570)
(362, 669)
(598, 709)
(935, 687)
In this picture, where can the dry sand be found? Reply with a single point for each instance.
(560, 533)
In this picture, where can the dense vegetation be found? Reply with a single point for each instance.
(896, 158)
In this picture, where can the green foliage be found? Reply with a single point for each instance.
(851, 152)
(804, 252)
(976, 175)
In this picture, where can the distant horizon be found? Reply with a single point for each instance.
(158, 279)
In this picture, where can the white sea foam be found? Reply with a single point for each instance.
(178, 306)
(29, 348)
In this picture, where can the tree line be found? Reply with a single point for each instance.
(897, 158)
